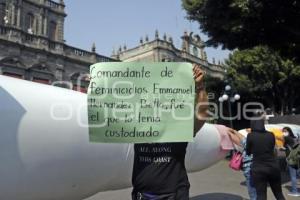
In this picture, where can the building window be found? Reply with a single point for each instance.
(41, 80)
(80, 88)
(166, 59)
(29, 23)
(43, 25)
(195, 51)
(52, 30)
(80, 82)
(15, 16)
(13, 75)
(2, 13)
(40, 73)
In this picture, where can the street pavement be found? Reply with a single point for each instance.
(218, 182)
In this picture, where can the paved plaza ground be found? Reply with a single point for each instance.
(218, 182)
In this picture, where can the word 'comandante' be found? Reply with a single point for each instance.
(121, 73)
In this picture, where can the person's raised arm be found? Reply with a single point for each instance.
(235, 136)
(201, 99)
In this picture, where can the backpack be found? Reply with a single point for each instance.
(293, 159)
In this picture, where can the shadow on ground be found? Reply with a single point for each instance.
(217, 196)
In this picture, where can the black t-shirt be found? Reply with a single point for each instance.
(261, 145)
(159, 167)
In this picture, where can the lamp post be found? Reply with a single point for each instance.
(293, 111)
(230, 98)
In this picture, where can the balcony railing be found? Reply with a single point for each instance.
(52, 4)
(40, 42)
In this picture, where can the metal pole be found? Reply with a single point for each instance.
(229, 111)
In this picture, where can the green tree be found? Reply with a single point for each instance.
(214, 87)
(244, 24)
(260, 74)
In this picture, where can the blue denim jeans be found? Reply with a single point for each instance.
(251, 189)
(293, 176)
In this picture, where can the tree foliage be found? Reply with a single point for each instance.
(245, 24)
(260, 74)
(214, 87)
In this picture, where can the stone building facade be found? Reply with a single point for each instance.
(32, 45)
(163, 50)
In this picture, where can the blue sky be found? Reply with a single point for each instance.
(111, 23)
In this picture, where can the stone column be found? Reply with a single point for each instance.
(202, 54)
(41, 22)
(45, 26)
(13, 10)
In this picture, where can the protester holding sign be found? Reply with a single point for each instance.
(141, 102)
(159, 170)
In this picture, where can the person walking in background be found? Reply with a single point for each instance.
(289, 143)
(264, 169)
(240, 140)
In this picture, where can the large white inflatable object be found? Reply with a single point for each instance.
(45, 153)
(294, 127)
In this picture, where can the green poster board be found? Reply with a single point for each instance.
(137, 102)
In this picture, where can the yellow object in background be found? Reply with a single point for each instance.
(278, 136)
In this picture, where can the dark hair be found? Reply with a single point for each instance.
(258, 113)
(257, 123)
(289, 130)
